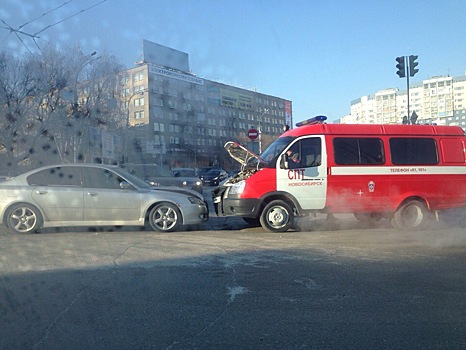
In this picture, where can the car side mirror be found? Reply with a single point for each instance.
(125, 185)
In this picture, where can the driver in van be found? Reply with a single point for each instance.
(293, 158)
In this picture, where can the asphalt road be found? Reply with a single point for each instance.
(233, 287)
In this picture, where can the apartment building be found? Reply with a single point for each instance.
(440, 100)
(173, 117)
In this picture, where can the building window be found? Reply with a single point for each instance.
(139, 115)
(174, 128)
(139, 102)
(138, 76)
(159, 127)
(171, 104)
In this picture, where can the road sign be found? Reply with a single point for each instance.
(253, 133)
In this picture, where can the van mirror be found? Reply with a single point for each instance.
(284, 161)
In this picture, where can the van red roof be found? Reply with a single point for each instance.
(374, 129)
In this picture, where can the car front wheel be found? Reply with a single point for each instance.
(165, 217)
(24, 218)
(277, 216)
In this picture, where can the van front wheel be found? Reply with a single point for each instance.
(412, 215)
(277, 216)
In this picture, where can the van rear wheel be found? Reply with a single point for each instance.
(277, 216)
(412, 215)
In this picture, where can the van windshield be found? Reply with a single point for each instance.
(272, 152)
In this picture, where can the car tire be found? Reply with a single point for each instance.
(277, 216)
(165, 217)
(412, 215)
(24, 218)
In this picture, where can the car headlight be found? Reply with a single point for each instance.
(185, 183)
(195, 200)
(198, 183)
(238, 187)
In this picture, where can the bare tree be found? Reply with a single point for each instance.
(91, 103)
(18, 89)
(48, 103)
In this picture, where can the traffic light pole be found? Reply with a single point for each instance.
(407, 92)
(406, 68)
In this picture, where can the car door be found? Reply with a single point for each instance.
(58, 192)
(106, 201)
(306, 180)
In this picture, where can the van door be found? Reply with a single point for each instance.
(304, 175)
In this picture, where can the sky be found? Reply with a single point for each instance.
(321, 55)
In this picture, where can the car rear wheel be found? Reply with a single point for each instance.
(277, 216)
(24, 218)
(165, 217)
(412, 215)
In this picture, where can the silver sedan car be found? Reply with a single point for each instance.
(94, 195)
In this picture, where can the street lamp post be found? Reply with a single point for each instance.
(260, 130)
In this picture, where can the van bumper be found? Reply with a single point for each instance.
(240, 207)
(244, 207)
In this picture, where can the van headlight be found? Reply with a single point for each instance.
(237, 188)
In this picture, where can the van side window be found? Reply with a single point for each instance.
(312, 152)
(410, 150)
(305, 153)
(358, 151)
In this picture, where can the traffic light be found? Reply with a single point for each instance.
(401, 66)
(412, 65)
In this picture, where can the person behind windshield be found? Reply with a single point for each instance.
(293, 158)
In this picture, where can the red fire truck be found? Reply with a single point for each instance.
(406, 173)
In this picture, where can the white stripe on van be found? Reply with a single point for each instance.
(398, 170)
